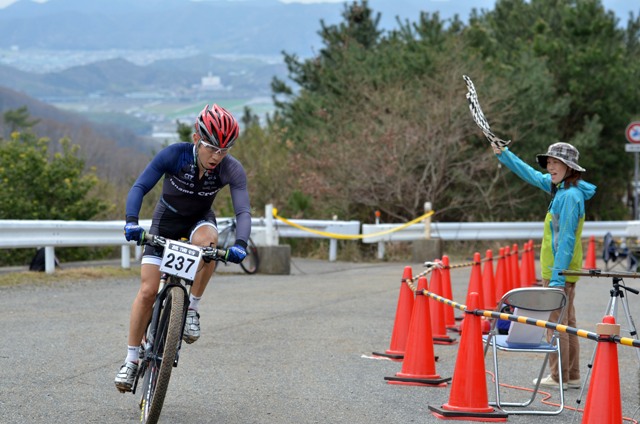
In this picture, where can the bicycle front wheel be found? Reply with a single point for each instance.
(165, 348)
(251, 262)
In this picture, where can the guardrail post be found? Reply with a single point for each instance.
(428, 248)
(49, 259)
(126, 256)
(333, 245)
(333, 250)
(270, 232)
(274, 258)
(380, 243)
(427, 221)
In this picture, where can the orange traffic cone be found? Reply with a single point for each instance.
(524, 265)
(419, 366)
(590, 261)
(531, 265)
(449, 316)
(475, 281)
(509, 283)
(438, 326)
(402, 321)
(475, 286)
(488, 282)
(501, 281)
(468, 399)
(604, 405)
(515, 269)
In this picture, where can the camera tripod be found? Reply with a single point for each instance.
(617, 295)
(617, 292)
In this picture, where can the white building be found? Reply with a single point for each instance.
(211, 82)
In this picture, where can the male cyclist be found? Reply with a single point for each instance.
(193, 175)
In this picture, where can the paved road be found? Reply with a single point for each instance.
(275, 349)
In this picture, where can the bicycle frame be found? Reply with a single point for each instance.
(165, 329)
(166, 283)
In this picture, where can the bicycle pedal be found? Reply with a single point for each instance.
(123, 390)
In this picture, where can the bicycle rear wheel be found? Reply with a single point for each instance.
(164, 350)
(251, 262)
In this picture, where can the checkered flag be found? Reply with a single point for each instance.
(478, 116)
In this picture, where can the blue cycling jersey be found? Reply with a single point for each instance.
(185, 193)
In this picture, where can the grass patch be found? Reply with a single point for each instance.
(67, 275)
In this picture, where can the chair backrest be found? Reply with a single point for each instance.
(525, 334)
(536, 303)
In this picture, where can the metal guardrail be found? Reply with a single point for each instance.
(49, 234)
(493, 230)
(265, 232)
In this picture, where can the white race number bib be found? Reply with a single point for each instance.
(180, 259)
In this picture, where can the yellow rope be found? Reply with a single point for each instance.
(350, 236)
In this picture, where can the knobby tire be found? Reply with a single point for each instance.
(156, 379)
(251, 262)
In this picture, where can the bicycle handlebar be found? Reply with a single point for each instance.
(210, 253)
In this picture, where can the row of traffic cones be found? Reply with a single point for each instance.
(468, 398)
(509, 273)
(404, 311)
(427, 324)
(489, 286)
(419, 324)
(440, 317)
(418, 366)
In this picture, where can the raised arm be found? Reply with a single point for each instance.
(522, 170)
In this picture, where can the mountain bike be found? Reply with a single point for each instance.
(163, 337)
(226, 239)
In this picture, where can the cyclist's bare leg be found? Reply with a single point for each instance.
(204, 236)
(140, 315)
(143, 303)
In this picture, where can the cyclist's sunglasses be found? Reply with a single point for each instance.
(211, 148)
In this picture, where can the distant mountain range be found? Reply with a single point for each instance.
(248, 77)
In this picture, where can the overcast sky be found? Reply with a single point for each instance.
(5, 3)
(622, 7)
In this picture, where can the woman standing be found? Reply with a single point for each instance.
(561, 243)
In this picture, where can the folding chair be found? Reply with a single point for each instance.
(611, 253)
(536, 303)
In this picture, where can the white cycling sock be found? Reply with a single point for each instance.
(194, 302)
(133, 354)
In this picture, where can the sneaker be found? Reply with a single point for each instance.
(574, 384)
(191, 327)
(548, 381)
(126, 376)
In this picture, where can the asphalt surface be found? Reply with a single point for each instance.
(274, 349)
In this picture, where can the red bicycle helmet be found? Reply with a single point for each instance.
(217, 126)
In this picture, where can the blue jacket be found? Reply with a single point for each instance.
(561, 242)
